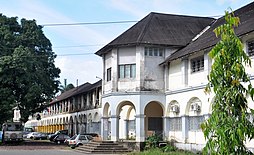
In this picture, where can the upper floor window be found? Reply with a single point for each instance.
(109, 74)
(154, 51)
(250, 48)
(127, 71)
(197, 64)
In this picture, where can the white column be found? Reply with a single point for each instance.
(166, 76)
(185, 128)
(166, 128)
(140, 128)
(125, 129)
(104, 128)
(114, 127)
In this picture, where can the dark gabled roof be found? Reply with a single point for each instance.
(86, 87)
(160, 29)
(208, 39)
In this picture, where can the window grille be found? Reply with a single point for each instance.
(195, 122)
(250, 47)
(197, 64)
(175, 124)
(131, 125)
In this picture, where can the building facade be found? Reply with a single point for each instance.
(154, 75)
(77, 110)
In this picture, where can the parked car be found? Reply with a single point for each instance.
(79, 139)
(40, 136)
(91, 134)
(60, 138)
(52, 136)
(32, 135)
(26, 131)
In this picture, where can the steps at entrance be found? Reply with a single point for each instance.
(105, 147)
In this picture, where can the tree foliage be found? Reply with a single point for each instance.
(66, 86)
(27, 71)
(229, 126)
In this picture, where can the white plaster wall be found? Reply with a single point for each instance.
(127, 55)
(175, 75)
(196, 137)
(184, 96)
(108, 63)
(175, 136)
(245, 39)
(153, 73)
(197, 78)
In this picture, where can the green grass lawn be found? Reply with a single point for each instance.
(157, 151)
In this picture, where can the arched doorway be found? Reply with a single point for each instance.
(106, 122)
(127, 124)
(154, 119)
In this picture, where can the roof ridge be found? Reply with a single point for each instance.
(142, 33)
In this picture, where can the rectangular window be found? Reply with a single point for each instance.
(146, 51)
(127, 71)
(197, 64)
(175, 124)
(109, 74)
(121, 71)
(195, 122)
(150, 52)
(154, 51)
(250, 47)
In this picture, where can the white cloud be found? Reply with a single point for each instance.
(221, 2)
(83, 69)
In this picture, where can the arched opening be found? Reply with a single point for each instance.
(173, 121)
(106, 120)
(83, 124)
(71, 127)
(96, 123)
(154, 119)
(76, 125)
(127, 123)
(194, 111)
(89, 123)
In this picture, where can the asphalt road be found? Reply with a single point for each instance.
(40, 152)
(37, 147)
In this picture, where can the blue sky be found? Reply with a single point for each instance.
(87, 39)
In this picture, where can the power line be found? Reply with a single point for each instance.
(74, 54)
(74, 46)
(89, 23)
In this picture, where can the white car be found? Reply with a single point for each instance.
(32, 135)
(78, 140)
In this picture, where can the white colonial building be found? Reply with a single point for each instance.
(154, 75)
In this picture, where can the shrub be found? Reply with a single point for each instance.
(152, 141)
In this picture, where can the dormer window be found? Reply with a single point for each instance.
(250, 48)
(197, 64)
